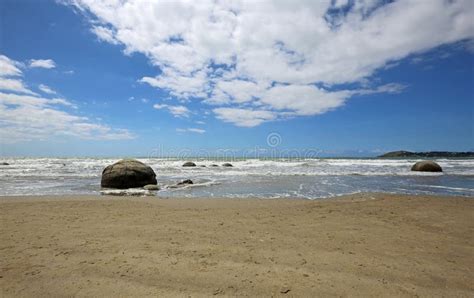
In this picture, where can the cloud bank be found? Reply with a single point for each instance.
(26, 116)
(267, 60)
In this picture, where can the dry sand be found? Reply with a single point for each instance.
(360, 245)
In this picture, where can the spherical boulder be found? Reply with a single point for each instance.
(426, 166)
(127, 173)
(189, 164)
(227, 165)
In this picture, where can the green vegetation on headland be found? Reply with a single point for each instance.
(428, 154)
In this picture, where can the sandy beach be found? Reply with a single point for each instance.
(358, 245)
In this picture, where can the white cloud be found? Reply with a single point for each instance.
(194, 130)
(9, 73)
(25, 118)
(304, 99)
(42, 63)
(104, 34)
(28, 116)
(177, 111)
(9, 68)
(46, 89)
(14, 85)
(244, 117)
(243, 54)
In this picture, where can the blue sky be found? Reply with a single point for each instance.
(87, 78)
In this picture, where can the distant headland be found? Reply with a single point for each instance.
(428, 154)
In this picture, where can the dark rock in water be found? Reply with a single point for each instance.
(127, 173)
(185, 182)
(189, 164)
(151, 187)
(202, 166)
(213, 165)
(4, 164)
(227, 164)
(426, 166)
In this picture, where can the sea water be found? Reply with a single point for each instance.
(259, 178)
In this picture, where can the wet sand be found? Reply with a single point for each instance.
(358, 245)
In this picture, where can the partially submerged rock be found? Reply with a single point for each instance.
(185, 182)
(151, 187)
(127, 173)
(4, 164)
(189, 164)
(426, 166)
(214, 165)
(228, 165)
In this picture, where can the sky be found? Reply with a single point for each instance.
(159, 78)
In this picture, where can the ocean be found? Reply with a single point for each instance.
(262, 178)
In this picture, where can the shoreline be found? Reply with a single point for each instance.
(367, 244)
(349, 196)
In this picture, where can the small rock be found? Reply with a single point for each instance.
(213, 165)
(185, 182)
(202, 166)
(4, 164)
(227, 164)
(189, 164)
(285, 290)
(151, 187)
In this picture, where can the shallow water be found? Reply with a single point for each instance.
(277, 178)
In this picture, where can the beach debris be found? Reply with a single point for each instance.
(127, 173)
(151, 187)
(227, 165)
(285, 290)
(4, 163)
(426, 166)
(185, 182)
(189, 164)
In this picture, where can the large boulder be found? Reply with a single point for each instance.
(426, 166)
(189, 164)
(127, 173)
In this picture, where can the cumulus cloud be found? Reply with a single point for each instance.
(10, 76)
(244, 117)
(42, 63)
(26, 116)
(104, 34)
(46, 89)
(269, 57)
(9, 67)
(177, 111)
(194, 130)
(14, 85)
